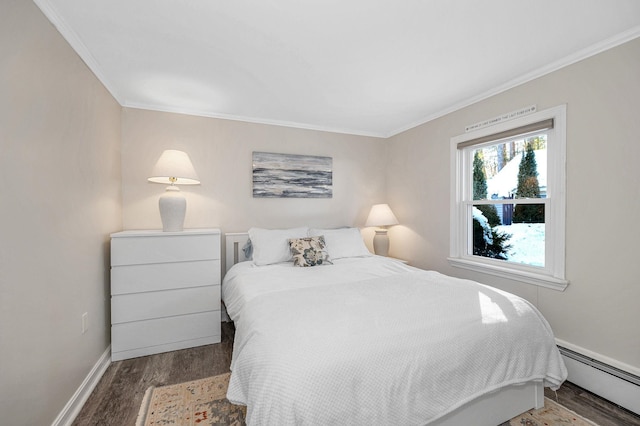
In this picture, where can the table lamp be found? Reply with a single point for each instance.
(173, 168)
(382, 217)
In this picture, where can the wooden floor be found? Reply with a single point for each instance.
(117, 397)
(592, 407)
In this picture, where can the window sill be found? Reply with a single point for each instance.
(528, 277)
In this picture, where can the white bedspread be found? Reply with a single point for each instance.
(374, 342)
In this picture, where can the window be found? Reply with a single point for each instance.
(508, 199)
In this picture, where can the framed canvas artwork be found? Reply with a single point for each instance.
(292, 176)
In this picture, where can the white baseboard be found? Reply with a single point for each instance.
(73, 407)
(602, 383)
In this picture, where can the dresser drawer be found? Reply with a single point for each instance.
(164, 331)
(138, 248)
(165, 291)
(158, 304)
(164, 276)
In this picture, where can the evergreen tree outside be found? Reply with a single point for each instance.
(480, 189)
(496, 246)
(486, 242)
(479, 177)
(528, 187)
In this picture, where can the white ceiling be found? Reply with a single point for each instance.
(368, 67)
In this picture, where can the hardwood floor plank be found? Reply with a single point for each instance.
(99, 393)
(157, 370)
(592, 407)
(121, 400)
(117, 398)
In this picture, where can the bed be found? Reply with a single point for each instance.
(360, 339)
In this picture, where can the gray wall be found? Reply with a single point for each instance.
(598, 311)
(221, 152)
(60, 170)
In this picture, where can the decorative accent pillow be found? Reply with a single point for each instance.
(343, 242)
(271, 245)
(309, 251)
(247, 249)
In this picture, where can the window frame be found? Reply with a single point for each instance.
(552, 275)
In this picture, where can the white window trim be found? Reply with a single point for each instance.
(553, 275)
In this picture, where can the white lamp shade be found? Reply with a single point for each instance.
(381, 215)
(174, 168)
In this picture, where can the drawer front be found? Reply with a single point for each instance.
(137, 250)
(164, 276)
(158, 304)
(163, 331)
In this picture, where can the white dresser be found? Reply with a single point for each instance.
(165, 291)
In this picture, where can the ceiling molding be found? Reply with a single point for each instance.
(83, 52)
(280, 123)
(593, 50)
(74, 41)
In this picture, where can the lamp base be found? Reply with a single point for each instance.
(381, 242)
(173, 207)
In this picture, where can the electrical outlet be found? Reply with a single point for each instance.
(85, 322)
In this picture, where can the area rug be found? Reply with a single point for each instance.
(203, 402)
(551, 414)
(199, 402)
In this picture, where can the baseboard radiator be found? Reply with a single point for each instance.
(607, 381)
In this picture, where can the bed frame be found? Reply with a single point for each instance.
(233, 248)
(488, 410)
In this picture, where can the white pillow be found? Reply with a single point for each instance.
(342, 242)
(272, 245)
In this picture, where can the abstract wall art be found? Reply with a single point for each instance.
(292, 176)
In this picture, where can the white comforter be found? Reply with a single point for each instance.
(371, 341)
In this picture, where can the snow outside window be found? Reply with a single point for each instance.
(508, 199)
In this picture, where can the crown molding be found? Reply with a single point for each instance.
(580, 55)
(282, 123)
(77, 45)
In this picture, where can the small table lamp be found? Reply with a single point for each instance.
(381, 216)
(173, 168)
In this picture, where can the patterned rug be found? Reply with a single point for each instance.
(551, 414)
(203, 402)
(199, 402)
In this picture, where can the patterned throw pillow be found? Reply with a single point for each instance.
(309, 251)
